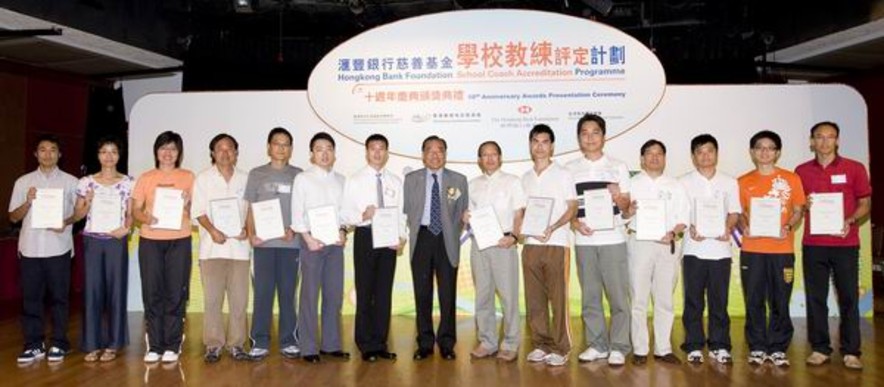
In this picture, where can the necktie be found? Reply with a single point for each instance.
(380, 186)
(435, 208)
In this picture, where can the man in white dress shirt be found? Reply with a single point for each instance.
(496, 268)
(654, 264)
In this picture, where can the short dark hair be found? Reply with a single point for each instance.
(434, 138)
(648, 144)
(48, 138)
(377, 137)
(109, 140)
(540, 129)
(703, 139)
(594, 118)
(496, 145)
(279, 130)
(825, 123)
(216, 140)
(778, 142)
(165, 138)
(322, 136)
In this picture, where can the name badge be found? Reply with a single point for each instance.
(284, 188)
(839, 179)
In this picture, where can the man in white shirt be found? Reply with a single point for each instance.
(544, 262)
(601, 253)
(45, 254)
(654, 258)
(496, 268)
(322, 262)
(224, 250)
(707, 258)
(367, 190)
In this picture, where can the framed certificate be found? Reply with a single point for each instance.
(385, 227)
(168, 208)
(106, 211)
(538, 213)
(486, 227)
(598, 207)
(226, 216)
(827, 213)
(650, 219)
(324, 226)
(47, 209)
(710, 217)
(267, 215)
(765, 217)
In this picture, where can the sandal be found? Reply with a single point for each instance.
(108, 355)
(91, 356)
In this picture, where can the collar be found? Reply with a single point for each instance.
(834, 162)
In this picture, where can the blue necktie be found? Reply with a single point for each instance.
(435, 208)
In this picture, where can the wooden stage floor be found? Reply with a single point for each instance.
(128, 368)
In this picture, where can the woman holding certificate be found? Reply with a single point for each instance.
(773, 201)
(161, 203)
(105, 200)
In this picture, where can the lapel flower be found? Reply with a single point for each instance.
(453, 193)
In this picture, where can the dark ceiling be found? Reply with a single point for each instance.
(274, 44)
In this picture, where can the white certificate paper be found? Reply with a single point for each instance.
(827, 213)
(598, 209)
(47, 209)
(650, 219)
(710, 217)
(226, 216)
(106, 211)
(486, 227)
(764, 217)
(268, 219)
(324, 224)
(168, 208)
(385, 227)
(538, 212)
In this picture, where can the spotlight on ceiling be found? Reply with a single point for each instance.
(603, 7)
(356, 6)
(243, 6)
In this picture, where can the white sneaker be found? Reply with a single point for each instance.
(291, 352)
(591, 354)
(696, 356)
(779, 359)
(151, 357)
(170, 357)
(757, 357)
(537, 356)
(616, 359)
(722, 356)
(555, 360)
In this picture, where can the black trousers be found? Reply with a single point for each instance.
(374, 271)
(39, 275)
(106, 286)
(165, 276)
(706, 280)
(820, 264)
(430, 260)
(767, 285)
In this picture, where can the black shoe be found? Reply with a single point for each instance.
(668, 358)
(238, 354)
(336, 354)
(370, 356)
(422, 353)
(212, 355)
(312, 359)
(639, 359)
(448, 354)
(386, 355)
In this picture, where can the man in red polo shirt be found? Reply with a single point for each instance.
(838, 254)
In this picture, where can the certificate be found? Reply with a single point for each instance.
(324, 224)
(267, 215)
(385, 227)
(168, 208)
(486, 227)
(827, 213)
(650, 219)
(598, 209)
(765, 217)
(47, 209)
(106, 211)
(538, 212)
(226, 216)
(709, 217)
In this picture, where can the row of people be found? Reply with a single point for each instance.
(436, 204)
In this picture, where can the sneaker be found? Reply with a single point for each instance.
(480, 352)
(537, 356)
(212, 355)
(721, 356)
(616, 359)
(30, 355)
(237, 353)
(169, 357)
(151, 357)
(291, 352)
(779, 359)
(757, 357)
(258, 354)
(556, 360)
(853, 362)
(817, 359)
(591, 354)
(55, 354)
(696, 357)
(507, 355)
